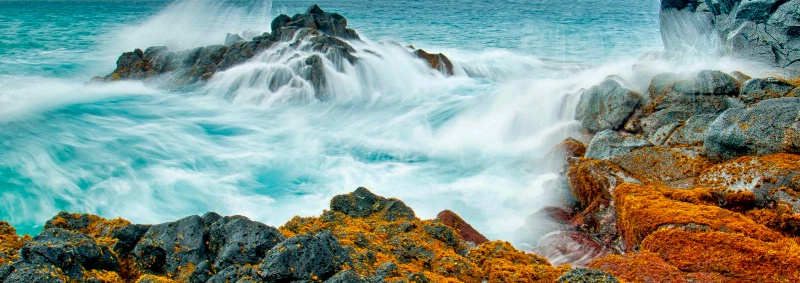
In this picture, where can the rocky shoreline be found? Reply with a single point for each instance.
(696, 179)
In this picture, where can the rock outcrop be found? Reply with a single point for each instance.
(363, 238)
(321, 35)
(760, 30)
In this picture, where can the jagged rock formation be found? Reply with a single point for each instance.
(761, 30)
(318, 32)
(699, 185)
(363, 238)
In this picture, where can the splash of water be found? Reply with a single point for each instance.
(474, 142)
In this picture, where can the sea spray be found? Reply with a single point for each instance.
(474, 142)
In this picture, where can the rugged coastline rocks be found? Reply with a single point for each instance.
(760, 30)
(698, 186)
(316, 37)
(363, 238)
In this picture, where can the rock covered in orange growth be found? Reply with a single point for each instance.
(643, 209)
(10, 243)
(772, 178)
(593, 183)
(502, 263)
(91, 225)
(465, 231)
(648, 267)
(418, 248)
(674, 166)
(735, 256)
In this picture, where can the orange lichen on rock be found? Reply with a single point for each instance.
(415, 246)
(154, 279)
(92, 225)
(10, 242)
(737, 257)
(594, 180)
(755, 170)
(643, 209)
(419, 248)
(645, 266)
(102, 276)
(502, 263)
(663, 165)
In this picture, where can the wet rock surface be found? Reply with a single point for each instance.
(760, 30)
(324, 37)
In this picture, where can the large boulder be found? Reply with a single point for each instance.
(759, 30)
(758, 89)
(363, 203)
(783, 27)
(331, 24)
(772, 178)
(238, 240)
(759, 130)
(305, 257)
(69, 251)
(674, 99)
(606, 106)
(169, 247)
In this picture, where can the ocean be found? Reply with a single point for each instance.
(474, 142)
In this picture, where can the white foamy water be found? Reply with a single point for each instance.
(472, 143)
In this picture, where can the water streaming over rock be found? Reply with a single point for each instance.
(256, 140)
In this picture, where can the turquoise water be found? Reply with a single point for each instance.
(472, 143)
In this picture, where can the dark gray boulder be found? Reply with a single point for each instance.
(69, 251)
(587, 275)
(347, 276)
(606, 106)
(169, 246)
(305, 257)
(607, 144)
(5, 271)
(24, 272)
(128, 236)
(237, 240)
(755, 90)
(363, 203)
(235, 274)
(708, 82)
(759, 130)
(331, 24)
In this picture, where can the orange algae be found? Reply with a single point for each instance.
(643, 209)
(154, 279)
(662, 165)
(10, 242)
(642, 266)
(103, 276)
(406, 243)
(424, 246)
(502, 263)
(737, 257)
(98, 228)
